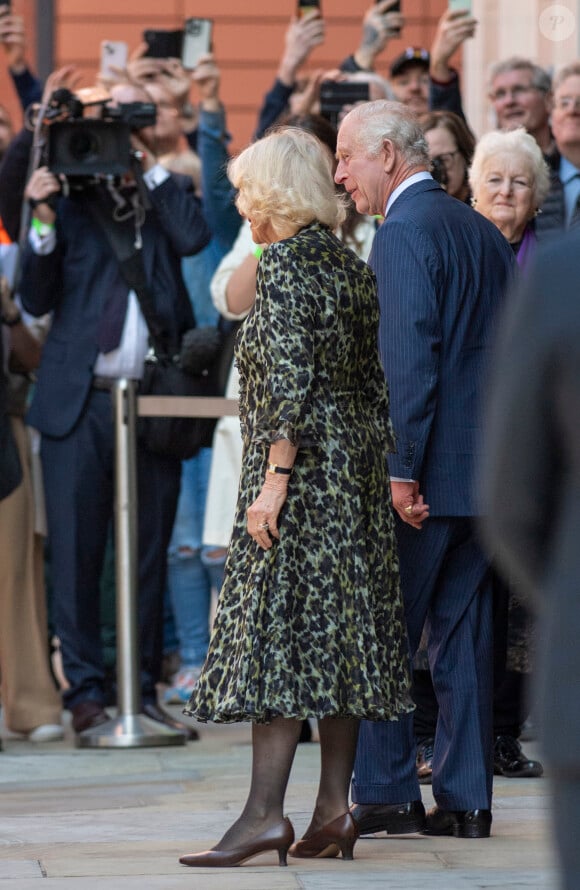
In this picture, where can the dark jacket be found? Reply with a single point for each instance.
(442, 273)
(72, 282)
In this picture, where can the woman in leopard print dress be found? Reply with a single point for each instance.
(310, 620)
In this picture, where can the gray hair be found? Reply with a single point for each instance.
(382, 120)
(572, 69)
(541, 79)
(511, 144)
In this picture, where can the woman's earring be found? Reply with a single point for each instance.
(473, 202)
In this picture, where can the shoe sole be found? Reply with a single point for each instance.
(520, 774)
(409, 825)
(460, 831)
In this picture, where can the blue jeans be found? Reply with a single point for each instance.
(190, 574)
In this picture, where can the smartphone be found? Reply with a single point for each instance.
(306, 6)
(457, 5)
(334, 95)
(114, 54)
(163, 44)
(197, 41)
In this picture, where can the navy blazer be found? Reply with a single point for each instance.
(72, 282)
(442, 271)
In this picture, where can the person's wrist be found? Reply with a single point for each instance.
(44, 215)
(211, 104)
(364, 58)
(17, 67)
(287, 74)
(439, 69)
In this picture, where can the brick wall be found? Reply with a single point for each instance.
(248, 38)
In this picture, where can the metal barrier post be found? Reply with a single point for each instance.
(130, 729)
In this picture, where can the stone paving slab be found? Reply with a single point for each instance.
(88, 819)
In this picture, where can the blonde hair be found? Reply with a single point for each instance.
(511, 144)
(285, 179)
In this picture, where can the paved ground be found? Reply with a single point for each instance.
(89, 819)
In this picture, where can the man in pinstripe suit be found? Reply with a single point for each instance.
(442, 271)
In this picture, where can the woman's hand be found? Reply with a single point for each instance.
(264, 512)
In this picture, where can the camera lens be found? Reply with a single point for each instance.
(83, 145)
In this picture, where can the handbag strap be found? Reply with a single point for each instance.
(129, 254)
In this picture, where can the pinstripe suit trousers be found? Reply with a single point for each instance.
(446, 581)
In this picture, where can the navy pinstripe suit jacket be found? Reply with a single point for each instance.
(442, 271)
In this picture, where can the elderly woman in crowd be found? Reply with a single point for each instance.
(310, 620)
(451, 144)
(509, 181)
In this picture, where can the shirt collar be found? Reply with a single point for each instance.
(411, 180)
(567, 171)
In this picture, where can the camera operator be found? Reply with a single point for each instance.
(98, 335)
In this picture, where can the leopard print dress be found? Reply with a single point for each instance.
(314, 626)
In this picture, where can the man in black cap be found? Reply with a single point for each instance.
(409, 79)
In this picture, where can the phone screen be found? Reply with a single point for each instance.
(196, 41)
(306, 6)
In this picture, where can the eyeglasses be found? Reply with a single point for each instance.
(515, 92)
(446, 158)
(567, 103)
(517, 183)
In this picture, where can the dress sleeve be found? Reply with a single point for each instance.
(286, 310)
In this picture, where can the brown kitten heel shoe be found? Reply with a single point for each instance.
(339, 835)
(278, 838)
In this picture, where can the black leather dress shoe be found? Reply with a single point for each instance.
(510, 761)
(154, 712)
(458, 823)
(394, 818)
(425, 761)
(88, 715)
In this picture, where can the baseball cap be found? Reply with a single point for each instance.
(412, 55)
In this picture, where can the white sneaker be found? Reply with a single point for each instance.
(46, 732)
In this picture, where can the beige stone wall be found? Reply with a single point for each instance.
(538, 29)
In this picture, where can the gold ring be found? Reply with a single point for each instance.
(409, 510)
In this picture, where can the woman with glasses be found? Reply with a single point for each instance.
(451, 144)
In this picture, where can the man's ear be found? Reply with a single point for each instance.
(389, 155)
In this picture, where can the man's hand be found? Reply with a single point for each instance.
(206, 77)
(66, 77)
(39, 188)
(454, 27)
(379, 26)
(303, 101)
(409, 504)
(13, 38)
(302, 36)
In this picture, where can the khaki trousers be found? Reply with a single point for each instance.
(29, 697)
